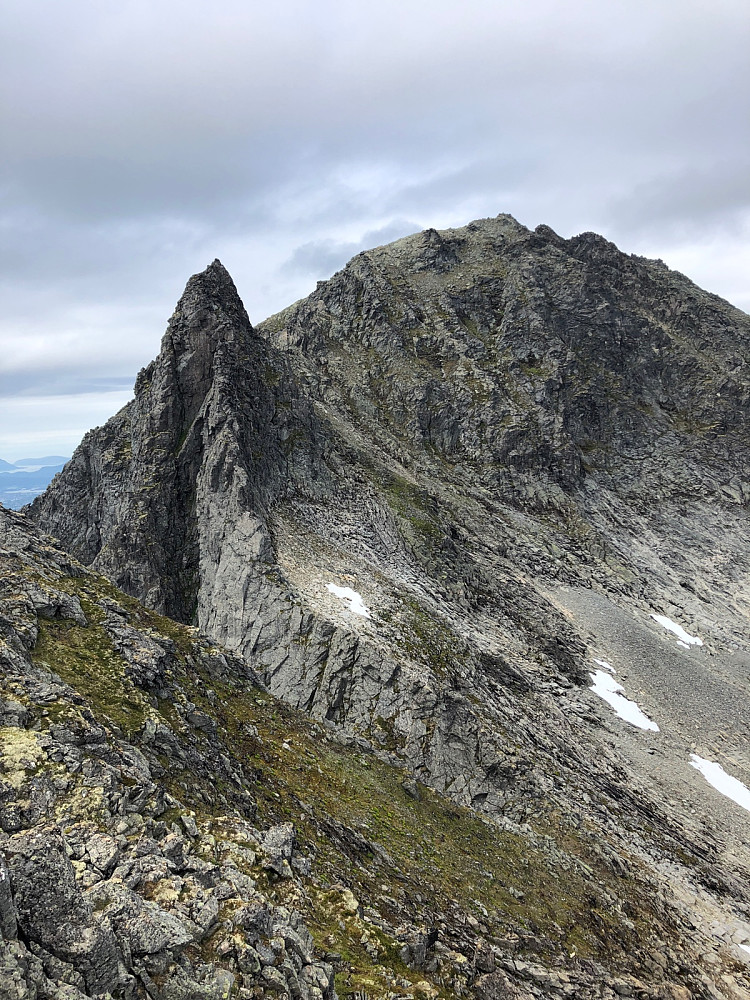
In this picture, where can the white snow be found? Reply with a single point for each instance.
(607, 666)
(745, 947)
(682, 636)
(716, 775)
(607, 688)
(355, 600)
(684, 645)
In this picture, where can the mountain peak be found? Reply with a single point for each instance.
(214, 279)
(524, 457)
(207, 332)
(209, 309)
(212, 378)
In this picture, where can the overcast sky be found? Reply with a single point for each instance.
(144, 138)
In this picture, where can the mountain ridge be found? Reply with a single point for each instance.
(517, 450)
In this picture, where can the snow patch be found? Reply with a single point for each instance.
(716, 775)
(355, 600)
(607, 688)
(684, 638)
(745, 947)
(607, 666)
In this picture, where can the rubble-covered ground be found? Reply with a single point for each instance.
(170, 830)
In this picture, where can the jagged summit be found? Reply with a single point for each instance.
(434, 500)
(483, 241)
(207, 392)
(505, 349)
(206, 293)
(437, 250)
(208, 318)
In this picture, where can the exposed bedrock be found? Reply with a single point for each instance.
(472, 430)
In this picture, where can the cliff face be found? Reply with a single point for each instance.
(209, 419)
(516, 450)
(503, 351)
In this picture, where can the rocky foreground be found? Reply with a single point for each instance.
(170, 830)
(424, 509)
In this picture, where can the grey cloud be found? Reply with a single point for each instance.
(320, 258)
(61, 383)
(143, 140)
(688, 200)
(191, 181)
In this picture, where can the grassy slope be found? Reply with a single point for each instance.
(417, 859)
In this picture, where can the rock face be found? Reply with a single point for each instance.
(516, 450)
(205, 403)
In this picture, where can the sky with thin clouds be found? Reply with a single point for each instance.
(140, 140)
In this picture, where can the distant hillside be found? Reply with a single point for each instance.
(26, 463)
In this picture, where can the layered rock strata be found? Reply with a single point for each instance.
(516, 449)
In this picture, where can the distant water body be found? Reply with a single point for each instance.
(21, 481)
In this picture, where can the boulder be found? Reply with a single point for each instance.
(52, 910)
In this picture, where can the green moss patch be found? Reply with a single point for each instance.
(353, 815)
(84, 658)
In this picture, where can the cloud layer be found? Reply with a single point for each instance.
(144, 139)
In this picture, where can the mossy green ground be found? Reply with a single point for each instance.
(404, 857)
(435, 848)
(84, 658)
(424, 857)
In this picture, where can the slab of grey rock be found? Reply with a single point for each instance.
(52, 910)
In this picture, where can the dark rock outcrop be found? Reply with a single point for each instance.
(52, 911)
(205, 422)
(422, 502)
